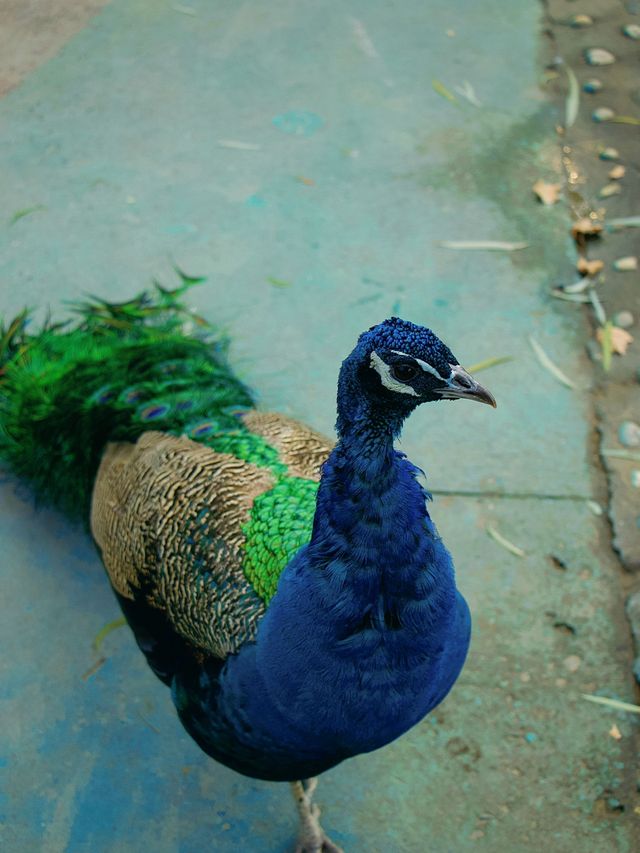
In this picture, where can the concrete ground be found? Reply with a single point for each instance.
(301, 156)
(617, 394)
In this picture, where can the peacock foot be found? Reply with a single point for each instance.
(312, 838)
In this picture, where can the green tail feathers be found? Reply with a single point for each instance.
(118, 371)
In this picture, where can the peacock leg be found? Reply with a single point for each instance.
(312, 838)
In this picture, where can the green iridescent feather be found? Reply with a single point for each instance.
(281, 518)
(280, 523)
(122, 369)
(118, 371)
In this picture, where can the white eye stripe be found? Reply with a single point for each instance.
(423, 364)
(384, 371)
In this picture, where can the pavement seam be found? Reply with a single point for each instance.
(524, 496)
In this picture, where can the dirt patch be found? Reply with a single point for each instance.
(33, 31)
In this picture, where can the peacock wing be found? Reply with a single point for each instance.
(201, 535)
(167, 514)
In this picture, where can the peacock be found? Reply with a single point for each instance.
(293, 595)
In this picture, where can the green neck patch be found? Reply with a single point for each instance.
(281, 519)
(280, 523)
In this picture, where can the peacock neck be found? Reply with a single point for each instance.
(370, 511)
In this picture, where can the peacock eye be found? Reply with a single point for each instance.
(404, 372)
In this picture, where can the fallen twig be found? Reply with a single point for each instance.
(489, 362)
(629, 455)
(612, 703)
(509, 546)
(106, 630)
(546, 362)
(93, 669)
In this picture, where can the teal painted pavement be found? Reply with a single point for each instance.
(298, 155)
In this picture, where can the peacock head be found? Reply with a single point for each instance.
(397, 365)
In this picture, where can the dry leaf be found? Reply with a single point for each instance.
(489, 245)
(617, 172)
(621, 454)
(589, 268)
(547, 193)
(598, 308)
(623, 222)
(546, 362)
(570, 297)
(614, 731)
(572, 103)
(237, 145)
(442, 90)
(620, 339)
(585, 227)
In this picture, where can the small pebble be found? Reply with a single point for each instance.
(525, 677)
(602, 114)
(531, 737)
(592, 86)
(595, 352)
(572, 663)
(617, 172)
(609, 154)
(599, 56)
(623, 320)
(628, 264)
(635, 479)
(629, 434)
(580, 21)
(609, 190)
(561, 682)
(595, 507)
(632, 31)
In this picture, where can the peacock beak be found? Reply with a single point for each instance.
(462, 386)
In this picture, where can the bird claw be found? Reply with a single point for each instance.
(325, 845)
(312, 838)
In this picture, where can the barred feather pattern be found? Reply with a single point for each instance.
(167, 514)
(300, 448)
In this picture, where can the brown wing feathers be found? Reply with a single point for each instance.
(167, 514)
